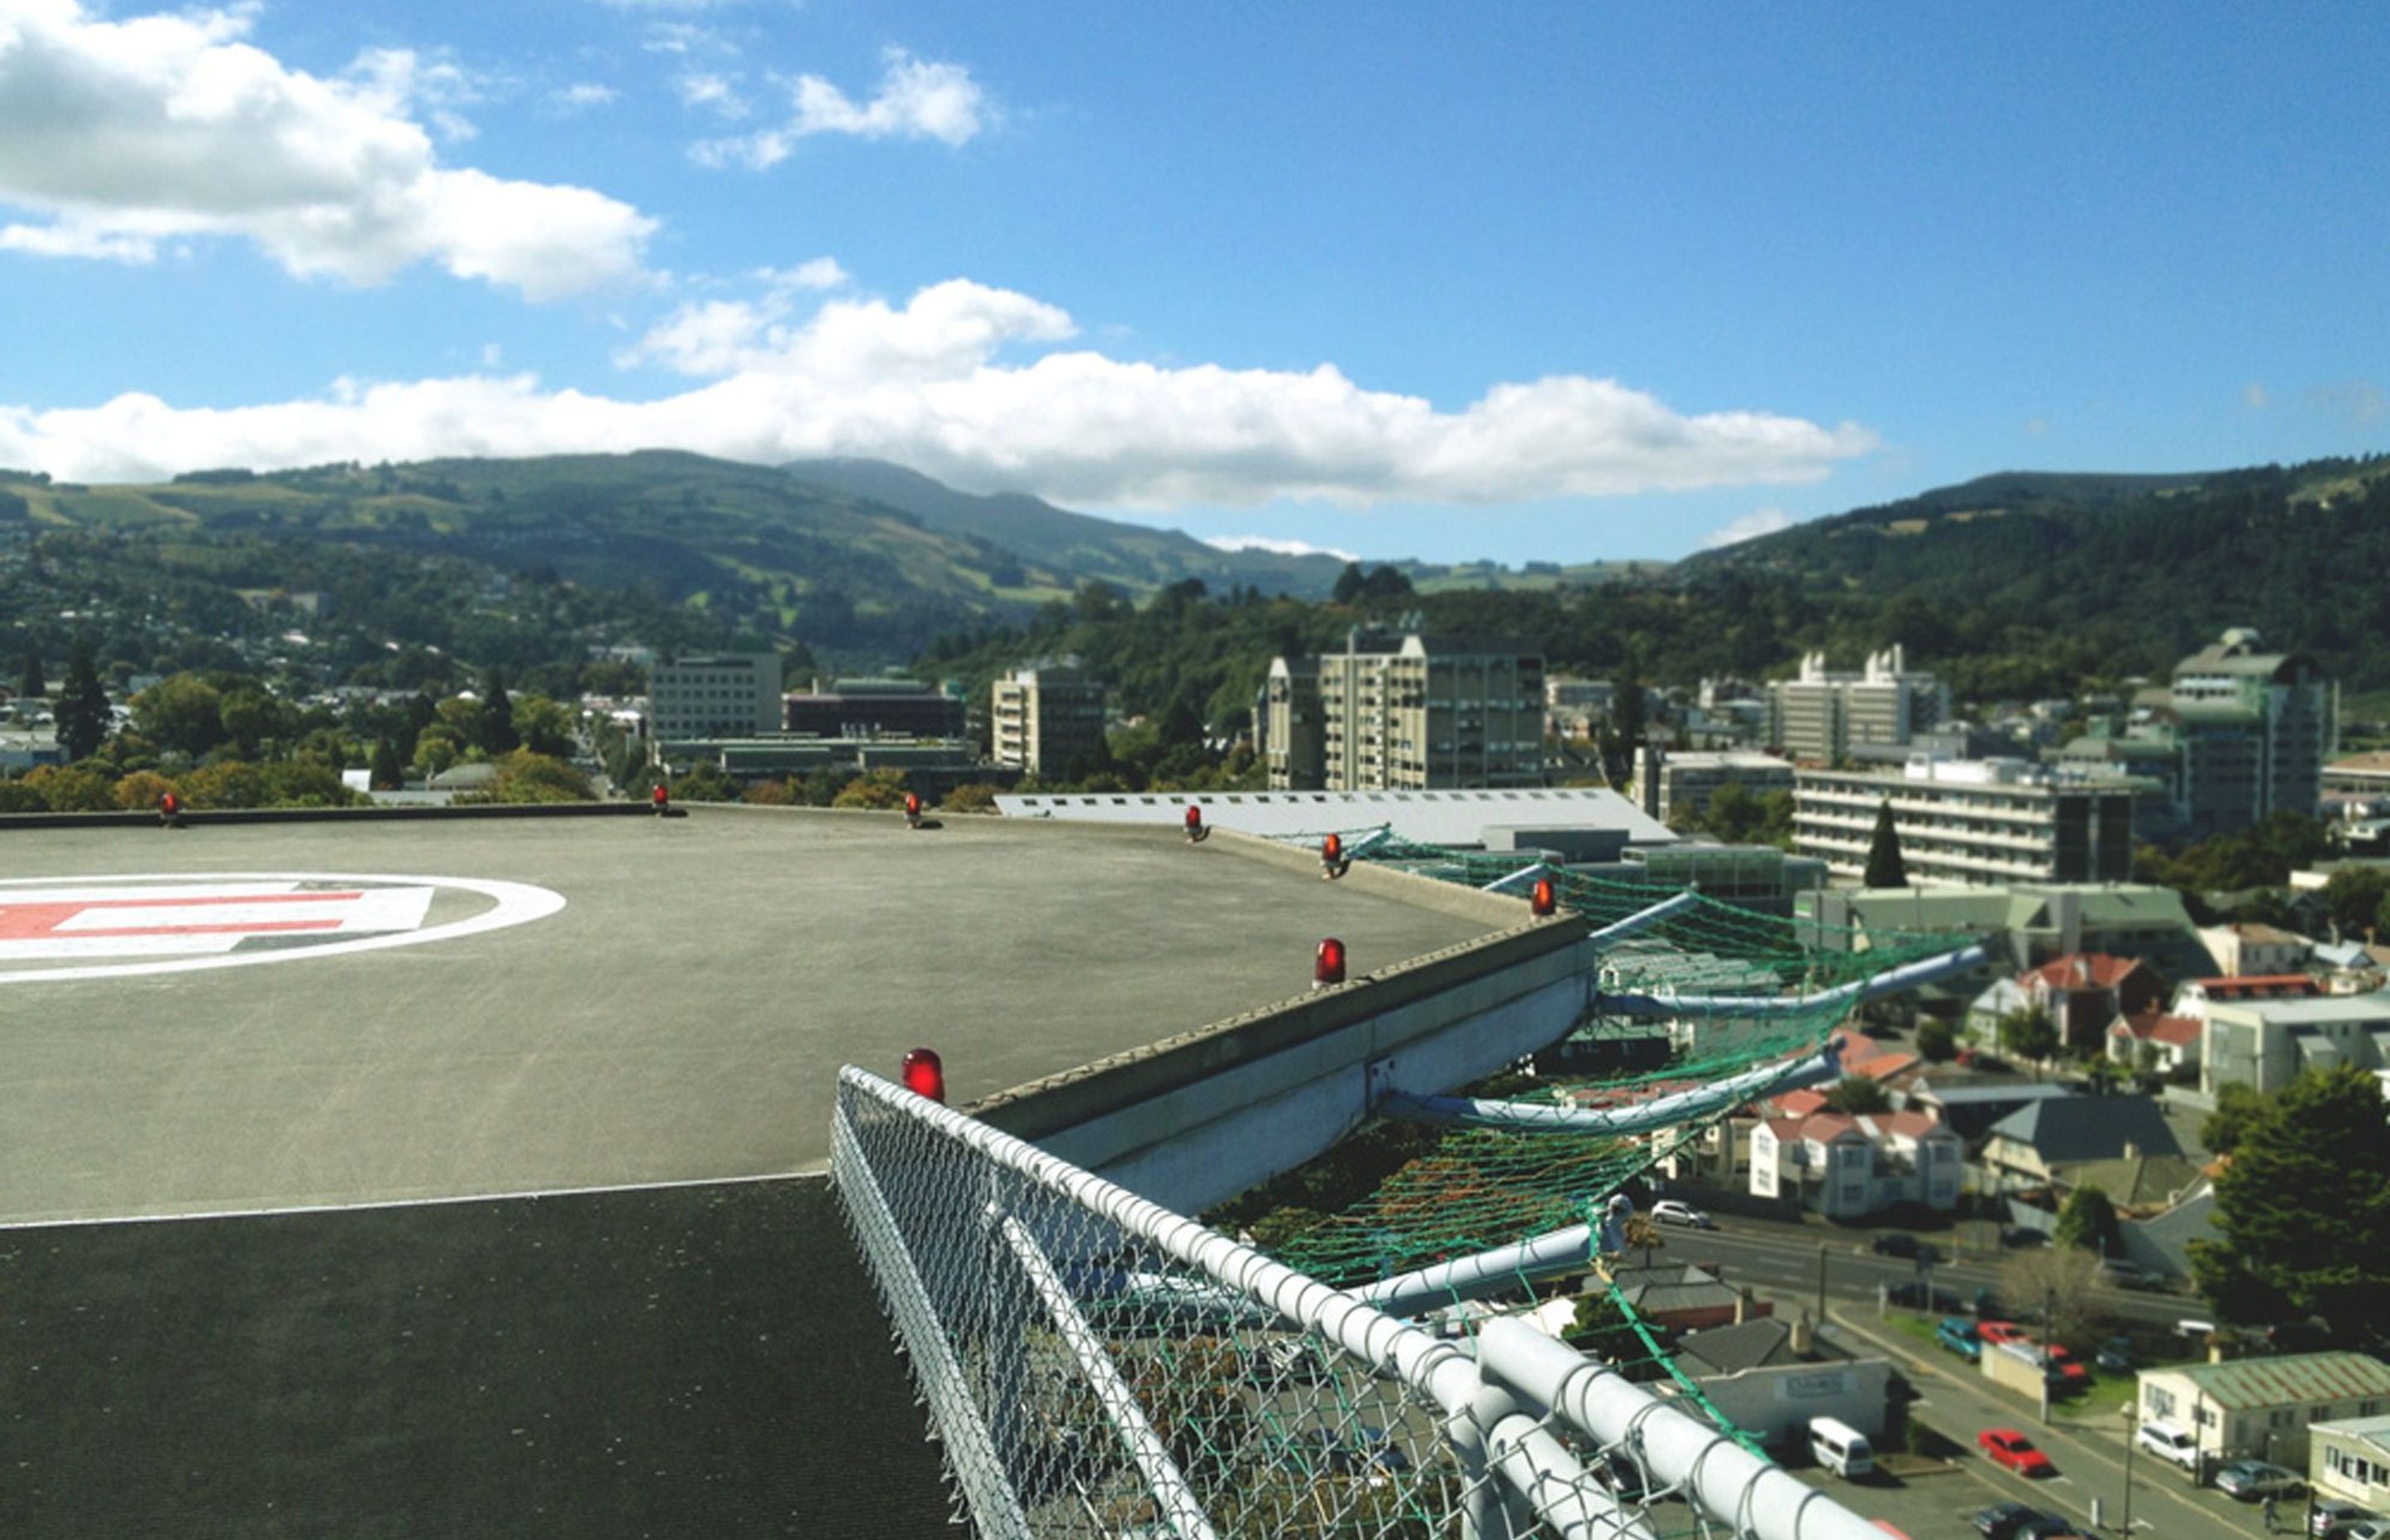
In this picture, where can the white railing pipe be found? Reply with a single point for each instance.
(1176, 1500)
(1687, 1105)
(1893, 981)
(1719, 1476)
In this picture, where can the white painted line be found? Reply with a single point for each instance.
(511, 904)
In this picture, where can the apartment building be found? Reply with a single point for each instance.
(1404, 712)
(1047, 720)
(703, 695)
(1818, 715)
(1975, 823)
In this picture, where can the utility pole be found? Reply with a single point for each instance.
(1821, 1282)
(2132, 1428)
(2049, 1339)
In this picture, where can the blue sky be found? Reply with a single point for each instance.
(1533, 282)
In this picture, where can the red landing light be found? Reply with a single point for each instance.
(925, 1075)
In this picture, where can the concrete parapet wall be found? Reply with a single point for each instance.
(1197, 1118)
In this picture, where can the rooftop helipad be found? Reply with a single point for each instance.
(226, 1018)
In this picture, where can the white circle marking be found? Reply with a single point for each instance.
(514, 904)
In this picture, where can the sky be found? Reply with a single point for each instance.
(1533, 282)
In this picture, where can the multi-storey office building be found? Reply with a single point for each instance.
(1047, 720)
(1408, 713)
(1973, 822)
(890, 708)
(714, 695)
(2253, 729)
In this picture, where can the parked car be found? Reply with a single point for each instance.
(2006, 1446)
(2250, 1480)
(1994, 1333)
(2023, 1236)
(2116, 1356)
(2168, 1442)
(1958, 1335)
(2066, 1367)
(1670, 1211)
(2117, 1273)
(2001, 1520)
(1910, 1295)
(2335, 1518)
(2362, 1528)
(1900, 1243)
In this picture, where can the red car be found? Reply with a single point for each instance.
(1996, 1333)
(2009, 1447)
(2069, 1368)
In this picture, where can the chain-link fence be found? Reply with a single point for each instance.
(1098, 1365)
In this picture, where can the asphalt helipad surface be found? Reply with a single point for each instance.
(680, 1016)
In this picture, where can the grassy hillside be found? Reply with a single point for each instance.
(2161, 562)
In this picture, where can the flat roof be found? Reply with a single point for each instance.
(1455, 817)
(680, 1016)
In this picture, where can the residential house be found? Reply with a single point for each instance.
(2081, 994)
(2350, 1459)
(1683, 1297)
(1845, 1166)
(2049, 1143)
(2171, 1042)
(1770, 1377)
(1971, 1107)
(2246, 947)
(2265, 1406)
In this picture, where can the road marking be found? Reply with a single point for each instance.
(202, 920)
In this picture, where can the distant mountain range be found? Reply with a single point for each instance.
(867, 561)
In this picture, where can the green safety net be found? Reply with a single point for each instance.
(1396, 1197)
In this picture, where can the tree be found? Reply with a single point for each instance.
(2304, 1209)
(1884, 866)
(880, 788)
(544, 727)
(1935, 1041)
(1858, 1094)
(82, 706)
(2237, 1106)
(2057, 1281)
(385, 774)
(2355, 897)
(1385, 582)
(977, 797)
(1349, 583)
(498, 735)
(2028, 1033)
(181, 713)
(29, 683)
(2088, 1222)
(525, 776)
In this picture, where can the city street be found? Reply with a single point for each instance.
(1959, 1403)
(1787, 1258)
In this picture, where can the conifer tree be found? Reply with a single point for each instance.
(1885, 868)
(81, 706)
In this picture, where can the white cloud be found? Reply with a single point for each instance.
(820, 273)
(713, 92)
(582, 95)
(918, 99)
(933, 384)
(2254, 396)
(1750, 526)
(1276, 547)
(126, 133)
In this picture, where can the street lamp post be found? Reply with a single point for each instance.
(1821, 1282)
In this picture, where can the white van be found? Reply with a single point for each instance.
(1840, 1447)
(2169, 1442)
